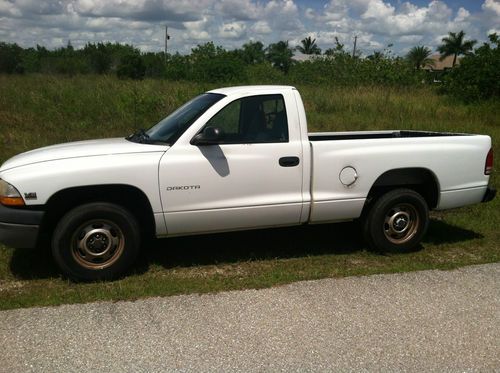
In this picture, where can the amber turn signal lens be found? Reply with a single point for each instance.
(11, 201)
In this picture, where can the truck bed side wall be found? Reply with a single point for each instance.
(456, 161)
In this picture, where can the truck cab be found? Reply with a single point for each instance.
(243, 163)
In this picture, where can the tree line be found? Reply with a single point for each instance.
(476, 76)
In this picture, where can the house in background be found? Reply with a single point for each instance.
(443, 65)
(299, 57)
(439, 68)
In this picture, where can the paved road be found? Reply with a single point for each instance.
(430, 320)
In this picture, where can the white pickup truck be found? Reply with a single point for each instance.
(233, 159)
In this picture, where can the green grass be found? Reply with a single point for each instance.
(42, 110)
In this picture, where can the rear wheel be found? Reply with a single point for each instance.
(96, 241)
(397, 221)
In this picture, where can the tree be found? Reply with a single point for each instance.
(419, 57)
(338, 50)
(308, 46)
(376, 56)
(280, 55)
(206, 51)
(100, 57)
(178, 67)
(11, 58)
(478, 76)
(154, 63)
(131, 66)
(455, 45)
(253, 52)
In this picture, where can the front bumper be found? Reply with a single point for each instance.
(19, 236)
(490, 194)
(19, 228)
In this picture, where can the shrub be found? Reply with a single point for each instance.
(344, 70)
(208, 63)
(178, 67)
(131, 66)
(10, 58)
(478, 75)
(280, 55)
(264, 73)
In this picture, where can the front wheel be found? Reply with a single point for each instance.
(96, 241)
(397, 221)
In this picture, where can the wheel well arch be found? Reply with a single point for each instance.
(128, 196)
(421, 180)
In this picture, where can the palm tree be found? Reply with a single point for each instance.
(308, 46)
(419, 57)
(455, 45)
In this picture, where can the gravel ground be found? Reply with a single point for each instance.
(429, 320)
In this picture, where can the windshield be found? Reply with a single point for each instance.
(168, 130)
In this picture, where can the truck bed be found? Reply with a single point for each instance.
(456, 161)
(328, 136)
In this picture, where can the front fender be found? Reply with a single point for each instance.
(44, 179)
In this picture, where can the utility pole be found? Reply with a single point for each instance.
(354, 49)
(167, 38)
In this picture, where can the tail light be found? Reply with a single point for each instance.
(488, 166)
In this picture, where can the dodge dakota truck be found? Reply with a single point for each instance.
(233, 159)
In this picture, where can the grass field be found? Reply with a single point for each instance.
(42, 110)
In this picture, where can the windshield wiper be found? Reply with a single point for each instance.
(142, 137)
(139, 136)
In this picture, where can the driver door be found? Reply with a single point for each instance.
(250, 178)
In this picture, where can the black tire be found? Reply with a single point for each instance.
(396, 221)
(96, 241)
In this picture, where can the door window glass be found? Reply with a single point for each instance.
(254, 119)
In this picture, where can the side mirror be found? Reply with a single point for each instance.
(209, 136)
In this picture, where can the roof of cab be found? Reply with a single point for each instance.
(250, 89)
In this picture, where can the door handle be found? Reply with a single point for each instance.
(289, 161)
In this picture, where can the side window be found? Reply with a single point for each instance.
(228, 119)
(255, 119)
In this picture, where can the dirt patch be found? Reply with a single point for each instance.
(11, 285)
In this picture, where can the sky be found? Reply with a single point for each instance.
(231, 23)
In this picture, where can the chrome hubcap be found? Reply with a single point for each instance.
(97, 244)
(401, 223)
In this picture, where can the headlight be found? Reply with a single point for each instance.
(9, 196)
